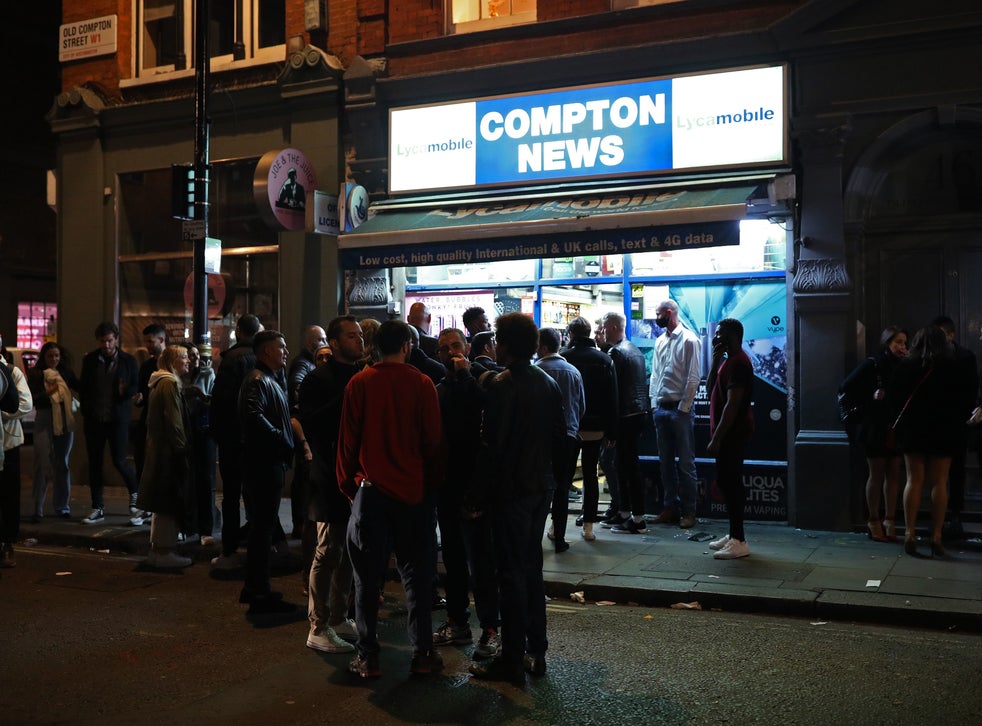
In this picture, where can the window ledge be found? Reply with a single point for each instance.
(267, 57)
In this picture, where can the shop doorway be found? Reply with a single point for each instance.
(914, 277)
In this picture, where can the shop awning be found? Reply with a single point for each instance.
(612, 221)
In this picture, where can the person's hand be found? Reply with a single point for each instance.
(460, 363)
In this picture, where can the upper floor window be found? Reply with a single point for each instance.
(237, 30)
(467, 16)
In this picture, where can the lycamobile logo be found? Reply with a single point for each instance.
(435, 147)
(744, 116)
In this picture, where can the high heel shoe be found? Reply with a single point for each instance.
(937, 549)
(875, 532)
(890, 529)
(910, 547)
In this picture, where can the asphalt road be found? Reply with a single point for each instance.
(93, 638)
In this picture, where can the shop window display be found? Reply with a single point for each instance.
(762, 248)
(155, 259)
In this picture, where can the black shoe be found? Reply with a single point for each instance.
(579, 521)
(439, 603)
(365, 666)
(535, 664)
(426, 662)
(270, 606)
(630, 527)
(614, 519)
(561, 546)
(499, 670)
(246, 596)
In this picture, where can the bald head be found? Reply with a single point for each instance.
(419, 316)
(314, 337)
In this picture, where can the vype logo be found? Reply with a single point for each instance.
(776, 325)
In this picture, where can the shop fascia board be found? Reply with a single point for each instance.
(481, 228)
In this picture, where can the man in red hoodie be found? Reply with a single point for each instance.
(388, 451)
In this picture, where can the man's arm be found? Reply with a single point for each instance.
(349, 440)
(734, 402)
(693, 356)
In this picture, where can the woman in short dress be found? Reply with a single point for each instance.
(870, 383)
(926, 396)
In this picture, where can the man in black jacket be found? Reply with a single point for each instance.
(107, 386)
(633, 404)
(302, 364)
(321, 400)
(235, 364)
(267, 451)
(523, 424)
(599, 421)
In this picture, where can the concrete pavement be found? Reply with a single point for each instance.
(814, 574)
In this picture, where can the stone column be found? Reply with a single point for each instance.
(820, 487)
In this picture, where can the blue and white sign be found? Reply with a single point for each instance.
(726, 119)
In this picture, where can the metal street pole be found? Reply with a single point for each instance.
(201, 332)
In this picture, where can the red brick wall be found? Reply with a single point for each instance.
(104, 71)
(634, 30)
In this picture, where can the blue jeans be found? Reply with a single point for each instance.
(51, 462)
(676, 440)
(377, 525)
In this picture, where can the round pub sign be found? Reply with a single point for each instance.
(283, 185)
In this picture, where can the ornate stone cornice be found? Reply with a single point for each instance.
(76, 109)
(307, 70)
(824, 275)
(369, 288)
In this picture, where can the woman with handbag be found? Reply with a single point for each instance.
(868, 386)
(55, 389)
(929, 413)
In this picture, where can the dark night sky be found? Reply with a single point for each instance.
(29, 80)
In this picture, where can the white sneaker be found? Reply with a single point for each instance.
(347, 629)
(734, 549)
(95, 517)
(226, 562)
(718, 544)
(133, 508)
(141, 518)
(328, 641)
(171, 561)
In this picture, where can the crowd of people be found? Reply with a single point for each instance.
(912, 408)
(470, 438)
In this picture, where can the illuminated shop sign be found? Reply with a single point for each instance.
(726, 119)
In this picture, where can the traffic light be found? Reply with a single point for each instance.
(182, 191)
(184, 199)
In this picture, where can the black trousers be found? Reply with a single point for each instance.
(628, 465)
(10, 496)
(97, 434)
(263, 483)
(729, 479)
(563, 466)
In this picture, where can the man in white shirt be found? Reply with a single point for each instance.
(675, 374)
